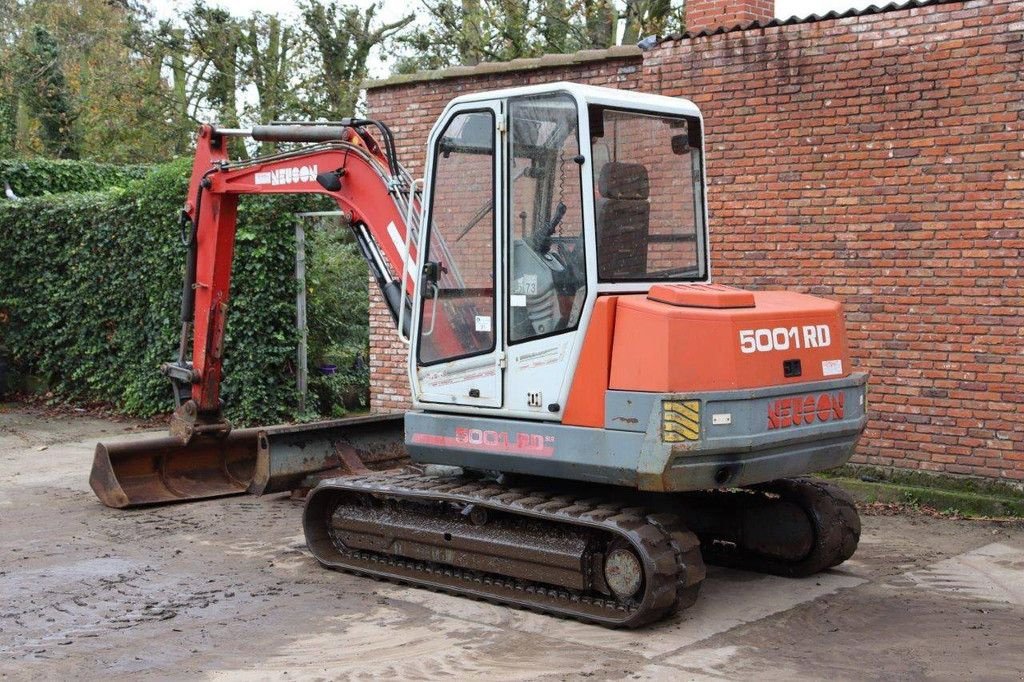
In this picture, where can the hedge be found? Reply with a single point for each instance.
(36, 177)
(90, 286)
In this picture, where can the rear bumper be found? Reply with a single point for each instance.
(756, 466)
(738, 438)
(752, 436)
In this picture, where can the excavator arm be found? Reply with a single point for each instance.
(353, 162)
(345, 163)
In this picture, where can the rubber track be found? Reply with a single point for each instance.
(673, 550)
(833, 515)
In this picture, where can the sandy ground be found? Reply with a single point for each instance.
(226, 589)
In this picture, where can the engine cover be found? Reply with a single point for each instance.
(711, 337)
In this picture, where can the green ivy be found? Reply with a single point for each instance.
(37, 177)
(90, 287)
(337, 304)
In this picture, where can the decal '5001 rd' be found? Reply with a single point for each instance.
(785, 338)
(516, 443)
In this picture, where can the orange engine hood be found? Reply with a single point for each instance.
(681, 338)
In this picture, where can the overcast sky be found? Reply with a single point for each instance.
(396, 8)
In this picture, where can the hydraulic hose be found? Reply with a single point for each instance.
(188, 291)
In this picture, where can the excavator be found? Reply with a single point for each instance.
(592, 418)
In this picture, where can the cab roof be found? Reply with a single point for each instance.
(591, 94)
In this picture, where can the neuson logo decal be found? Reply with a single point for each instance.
(287, 176)
(797, 410)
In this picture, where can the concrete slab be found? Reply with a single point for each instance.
(992, 573)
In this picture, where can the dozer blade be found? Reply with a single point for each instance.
(257, 460)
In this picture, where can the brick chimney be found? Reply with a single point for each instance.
(708, 15)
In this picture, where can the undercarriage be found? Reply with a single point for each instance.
(572, 550)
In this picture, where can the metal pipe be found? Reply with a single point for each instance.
(290, 132)
(233, 132)
(406, 257)
(343, 122)
(298, 133)
(300, 313)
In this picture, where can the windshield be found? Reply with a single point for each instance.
(649, 201)
(548, 274)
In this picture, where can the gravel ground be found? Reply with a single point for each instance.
(226, 589)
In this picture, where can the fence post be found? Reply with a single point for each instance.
(300, 311)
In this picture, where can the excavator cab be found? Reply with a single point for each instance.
(539, 201)
(565, 323)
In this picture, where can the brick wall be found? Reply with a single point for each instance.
(702, 15)
(875, 159)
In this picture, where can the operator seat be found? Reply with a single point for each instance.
(623, 216)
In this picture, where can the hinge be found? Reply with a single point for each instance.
(501, 359)
(501, 124)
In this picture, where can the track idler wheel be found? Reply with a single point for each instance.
(790, 527)
(623, 573)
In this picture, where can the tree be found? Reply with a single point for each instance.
(343, 37)
(270, 51)
(268, 48)
(170, 50)
(500, 30)
(482, 30)
(643, 18)
(9, 11)
(599, 23)
(111, 84)
(556, 26)
(217, 37)
(40, 78)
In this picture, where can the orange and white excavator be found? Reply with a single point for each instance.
(606, 419)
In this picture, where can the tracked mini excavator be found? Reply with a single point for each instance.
(606, 419)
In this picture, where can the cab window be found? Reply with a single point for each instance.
(457, 315)
(648, 209)
(547, 271)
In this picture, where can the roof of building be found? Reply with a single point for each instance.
(629, 51)
(590, 94)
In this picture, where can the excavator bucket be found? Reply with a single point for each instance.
(257, 460)
(162, 470)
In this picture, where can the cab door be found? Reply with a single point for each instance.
(458, 328)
